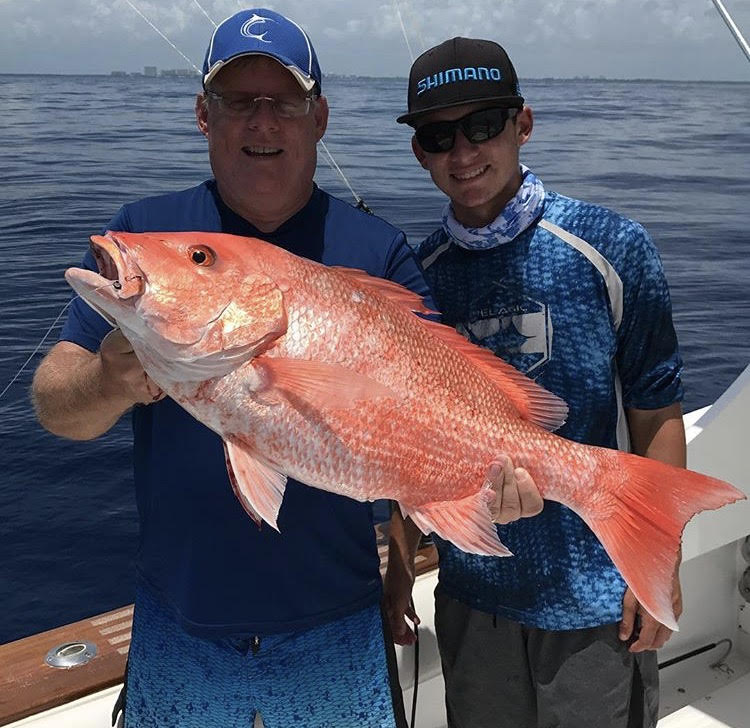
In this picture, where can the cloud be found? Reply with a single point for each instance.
(682, 38)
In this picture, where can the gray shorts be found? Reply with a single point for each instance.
(501, 674)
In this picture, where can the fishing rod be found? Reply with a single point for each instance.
(727, 18)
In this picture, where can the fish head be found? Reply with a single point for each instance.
(194, 304)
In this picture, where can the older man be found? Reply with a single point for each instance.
(231, 620)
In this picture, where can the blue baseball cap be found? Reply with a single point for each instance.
(259, 31)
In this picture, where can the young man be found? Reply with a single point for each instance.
(231, 620)
(573, 295)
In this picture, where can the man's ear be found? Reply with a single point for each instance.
(524, 125)
(201, 113)
(419, 153)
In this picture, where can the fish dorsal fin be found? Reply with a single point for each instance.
(258, 487)
(322, 385)
(533, 402)
(389, 289)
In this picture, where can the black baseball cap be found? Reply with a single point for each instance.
(461, 71)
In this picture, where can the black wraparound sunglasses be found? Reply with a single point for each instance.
(477, 127)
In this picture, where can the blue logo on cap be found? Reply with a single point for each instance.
(451, 75)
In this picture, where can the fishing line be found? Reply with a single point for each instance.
(39, 346)
(332, 162)
(403, 29)
(47, 333)
(200, 7)
(163, 36)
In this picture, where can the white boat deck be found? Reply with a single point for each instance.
(727, 707)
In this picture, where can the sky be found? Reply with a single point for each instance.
(666, 39)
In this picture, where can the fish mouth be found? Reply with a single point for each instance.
(119, 280)
(116, 265)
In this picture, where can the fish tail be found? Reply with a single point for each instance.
(642, 532)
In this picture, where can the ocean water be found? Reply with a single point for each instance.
(675, 156)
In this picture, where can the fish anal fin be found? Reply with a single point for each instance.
(467, 523)
(322, 385)
(258, 487)
(533, 402)
(642, 531)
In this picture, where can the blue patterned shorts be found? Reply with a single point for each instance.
(338, 675)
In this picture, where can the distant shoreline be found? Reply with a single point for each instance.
(336, 76)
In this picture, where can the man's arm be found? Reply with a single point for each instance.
(399, 577)
(80, 395)
(657, 434)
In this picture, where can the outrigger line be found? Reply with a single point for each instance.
(397, 6)
(361, 204)
(164, 36)
(403, 30)
(200, 7)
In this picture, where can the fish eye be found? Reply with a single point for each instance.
(202, 255)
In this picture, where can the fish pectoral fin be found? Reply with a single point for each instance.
(322, 385)
(467, 523)
(258, 486)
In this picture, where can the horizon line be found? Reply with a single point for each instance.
(139, 74)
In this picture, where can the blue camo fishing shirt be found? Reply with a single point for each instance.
(579, 302)
(198, 549)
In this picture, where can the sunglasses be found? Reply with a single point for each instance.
(477, 127)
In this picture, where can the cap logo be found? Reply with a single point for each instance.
(451, 75)
(246, 29)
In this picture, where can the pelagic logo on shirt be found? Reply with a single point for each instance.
(516, 327)
(451, 75)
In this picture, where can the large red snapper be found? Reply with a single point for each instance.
(327, 375)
